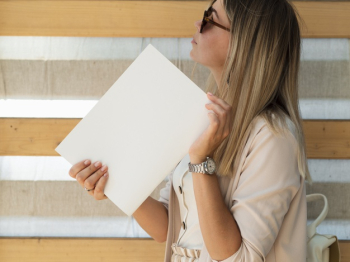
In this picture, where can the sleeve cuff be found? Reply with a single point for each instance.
(233, 257)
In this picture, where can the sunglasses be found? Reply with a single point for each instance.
(206, 19)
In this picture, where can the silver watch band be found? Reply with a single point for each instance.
(196, 168)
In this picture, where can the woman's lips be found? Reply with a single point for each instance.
(193, 41)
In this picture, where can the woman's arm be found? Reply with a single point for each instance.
(268, 183)
(219, 228)
(152, 216)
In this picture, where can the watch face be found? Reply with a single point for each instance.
(211, 166)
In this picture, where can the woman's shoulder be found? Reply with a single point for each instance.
(260, 123)
(272, 152)
(262, 131)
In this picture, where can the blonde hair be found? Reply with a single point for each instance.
(260, 76)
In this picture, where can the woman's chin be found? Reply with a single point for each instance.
(192, 56)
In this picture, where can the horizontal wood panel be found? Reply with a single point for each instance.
(100, 18)
(146, 18)
(327, 139)
(80, 250)
(85, 250)
(33, 136)
(40, 136)
(344, 247)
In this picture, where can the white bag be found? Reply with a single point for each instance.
(321, 248)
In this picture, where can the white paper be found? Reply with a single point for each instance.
(141, 128)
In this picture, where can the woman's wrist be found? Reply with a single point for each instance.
(194, 159)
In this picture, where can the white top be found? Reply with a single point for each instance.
(190, 234)
(266, 197)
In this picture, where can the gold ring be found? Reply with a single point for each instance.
(89, 189)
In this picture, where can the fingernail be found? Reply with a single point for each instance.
(106, 175)
(86, 162)
(97, 164)
(210, 93)
(104, 168)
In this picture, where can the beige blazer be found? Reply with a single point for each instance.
(267, 199)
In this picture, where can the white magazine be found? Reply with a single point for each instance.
(140, 128)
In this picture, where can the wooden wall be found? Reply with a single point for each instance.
(35, 137)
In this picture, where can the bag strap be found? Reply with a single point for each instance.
(311, 229)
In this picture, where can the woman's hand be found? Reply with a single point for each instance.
(91, 176)
(218, 130)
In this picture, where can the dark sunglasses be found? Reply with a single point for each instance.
(206, 19)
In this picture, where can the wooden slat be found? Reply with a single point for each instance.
(145, 18)
(40, 136)
(80, 250)
(344, 251)
(33, 136)
(327, 139)
(100, 18)
(324, 19)
(86, 250)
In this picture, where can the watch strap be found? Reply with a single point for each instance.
(196, 168)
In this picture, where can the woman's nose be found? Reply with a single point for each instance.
(198, 24)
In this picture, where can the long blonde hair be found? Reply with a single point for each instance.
(260, 76)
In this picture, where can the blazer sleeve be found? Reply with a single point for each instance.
(165, 191)
(268, 182)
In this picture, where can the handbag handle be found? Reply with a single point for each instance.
(311, 229)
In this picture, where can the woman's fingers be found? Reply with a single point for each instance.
(91, 176)
(219, 101)
(86, 172)
(91, 181)
(100, 187)
(220, 114)
(223, 113)
(75, 169)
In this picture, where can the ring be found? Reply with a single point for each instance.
(89, 189)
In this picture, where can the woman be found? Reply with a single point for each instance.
(253, 206)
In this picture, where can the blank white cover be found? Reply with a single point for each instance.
(141, 128)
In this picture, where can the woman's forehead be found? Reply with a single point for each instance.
(220, 11)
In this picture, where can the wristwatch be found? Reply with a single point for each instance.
(207, 167)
